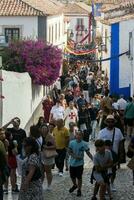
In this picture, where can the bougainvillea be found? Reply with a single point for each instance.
(40, 60)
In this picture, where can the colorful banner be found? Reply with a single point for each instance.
(81, 52)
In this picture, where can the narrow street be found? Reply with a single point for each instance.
(61, 185)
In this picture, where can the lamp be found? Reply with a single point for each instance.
(71, 34)
(86, 30)
(102, 47)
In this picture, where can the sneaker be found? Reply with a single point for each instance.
(78, 193)
(73, 188)
(61, 174)
(113, 189)
(47, 188)
(5, 191)
(16, 190)
(94, 198)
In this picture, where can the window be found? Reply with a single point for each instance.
(12, 33)
(52, 34)
(79, 36)
(49, 39)
(80, 24)
(55, 32)
(59, 30)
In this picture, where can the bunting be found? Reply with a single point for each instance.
(80, 52)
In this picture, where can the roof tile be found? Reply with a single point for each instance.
(18, 8)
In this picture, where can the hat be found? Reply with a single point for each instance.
(110, 117)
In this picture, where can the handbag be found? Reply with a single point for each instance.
(131, 164)
(49, 153)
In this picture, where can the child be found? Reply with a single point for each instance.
(102, 162)
(12, 162)
(112, 171)
(76, 151)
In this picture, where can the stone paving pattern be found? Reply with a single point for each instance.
(61, 185)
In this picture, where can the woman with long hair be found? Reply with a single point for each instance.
(31, 186)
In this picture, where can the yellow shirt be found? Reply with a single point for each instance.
(61, 137)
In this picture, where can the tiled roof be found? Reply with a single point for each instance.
(126, 4)
(18, 8)
(29, 7)
(118, 19)
(76, 8)
(49, 7)
(85, 6)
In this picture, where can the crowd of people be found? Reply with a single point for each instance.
(83, 111)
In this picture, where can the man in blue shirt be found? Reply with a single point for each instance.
(76, 151)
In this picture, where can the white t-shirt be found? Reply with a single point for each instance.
(106, 134)
(89, 78)
(71, 115)
(57, 112)
(115, 106)
(122, 104)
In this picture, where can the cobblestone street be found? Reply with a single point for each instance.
(61, 185)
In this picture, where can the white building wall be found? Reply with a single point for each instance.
(101, 30)
(21, 97)
(125, 70)
(28, 25)
(56, 37)
(73, 24)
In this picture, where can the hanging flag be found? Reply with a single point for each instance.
(81, 52)
(93, 8)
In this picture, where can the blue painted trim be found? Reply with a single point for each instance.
(114, 63)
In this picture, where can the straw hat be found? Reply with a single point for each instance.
(111, 118)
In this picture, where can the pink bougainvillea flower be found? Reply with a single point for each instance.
(40, 60)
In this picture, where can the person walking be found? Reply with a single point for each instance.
(61, 135)
(48, 154)
(3, 163)
(76, 151)
(47, 106)
(114, 135)
(57, 112)
(71, 115)
(31, 185)
(18, 136)
(129, 117)
(102, 162)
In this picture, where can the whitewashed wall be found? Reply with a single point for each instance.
(125, 70)
(21, 97)
(105, 54)
(73, 23)
(61, 38)
(28, 25)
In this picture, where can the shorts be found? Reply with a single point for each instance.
(100, 177)
(129, 122)
(76, 172)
